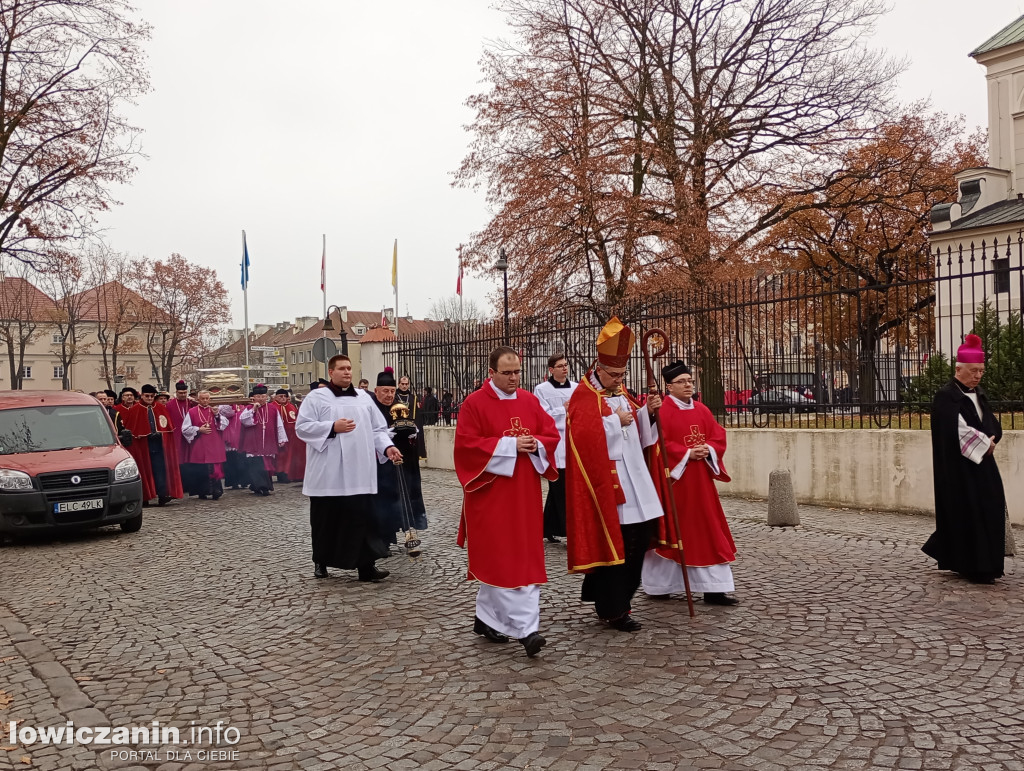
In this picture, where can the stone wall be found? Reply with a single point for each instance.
(889, 470)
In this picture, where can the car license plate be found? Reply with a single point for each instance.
(92, 503)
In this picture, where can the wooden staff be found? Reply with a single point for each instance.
(652, 387)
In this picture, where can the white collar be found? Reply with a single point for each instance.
(681, 404)
(501, 394)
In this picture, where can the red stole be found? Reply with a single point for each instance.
(592, 491)
(502, 523)
(703, 528)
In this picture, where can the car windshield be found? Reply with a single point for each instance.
(58, 427)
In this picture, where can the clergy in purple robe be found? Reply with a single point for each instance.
(203, 429)
(262, 434)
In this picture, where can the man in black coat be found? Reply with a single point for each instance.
(970, 506)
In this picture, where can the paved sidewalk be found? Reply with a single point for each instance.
(849, 651)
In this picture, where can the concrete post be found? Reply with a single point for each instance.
(781, 500)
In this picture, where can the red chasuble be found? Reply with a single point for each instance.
(136, 420)
(177, 410)
(592, 491)
(292, 459)
(502, 525)
(705, 532)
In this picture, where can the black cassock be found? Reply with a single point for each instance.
(386, 503)
(970, 506)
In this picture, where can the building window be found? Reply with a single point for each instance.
(26, 373)
(293, 357)
(57, 338)
(1001, 276)
(58, 372)
(309, 356)
(129, 370)
(794, 344)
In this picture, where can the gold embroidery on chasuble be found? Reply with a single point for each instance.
(518, 429)
(695, 438)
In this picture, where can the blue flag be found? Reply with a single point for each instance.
(245, 263)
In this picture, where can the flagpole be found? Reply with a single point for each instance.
(323, 286)
(245, 305)
(395, 277)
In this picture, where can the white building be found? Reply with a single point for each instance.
(978, 241)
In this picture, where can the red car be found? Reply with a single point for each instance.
(62, 466)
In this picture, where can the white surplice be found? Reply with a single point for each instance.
(190, 432)
(345, 464)
(554, 400)
(626, 447)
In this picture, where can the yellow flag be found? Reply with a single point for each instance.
(394, 267)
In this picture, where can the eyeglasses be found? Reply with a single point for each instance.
(509, 372)
(615, 375)
(688, 381)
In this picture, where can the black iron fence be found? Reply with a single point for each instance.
(831, 347)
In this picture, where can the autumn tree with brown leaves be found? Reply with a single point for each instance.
(865, 238)
(67, 68)
(188, 304)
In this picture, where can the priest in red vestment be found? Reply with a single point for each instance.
(291, 461)
(611, 501)
(178, 408)
(695, 444)
(154, 446)
(504, 443)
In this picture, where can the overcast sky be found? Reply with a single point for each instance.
(338, 117)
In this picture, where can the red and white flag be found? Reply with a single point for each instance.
(458, 282)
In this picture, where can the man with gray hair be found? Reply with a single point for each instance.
(203, 428)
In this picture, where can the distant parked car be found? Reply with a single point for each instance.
(778, 400)
(62, 466)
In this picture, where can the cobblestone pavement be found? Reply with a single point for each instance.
(848, 651)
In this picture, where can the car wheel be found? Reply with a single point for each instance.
(132, 525)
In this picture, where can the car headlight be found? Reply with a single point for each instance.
(14, 480)
(126, 470)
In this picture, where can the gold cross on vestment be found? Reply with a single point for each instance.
(695, 437)
(518, 429)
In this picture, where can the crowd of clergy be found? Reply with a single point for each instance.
(631, 486)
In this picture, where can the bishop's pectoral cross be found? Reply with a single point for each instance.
(518, 429)
(695, 437)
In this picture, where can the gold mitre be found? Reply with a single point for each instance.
(399, 411)
(615, 343)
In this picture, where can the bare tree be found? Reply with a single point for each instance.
(116, 309)
(67, 285)
(24, 311)
(455, 309)
(187, 304)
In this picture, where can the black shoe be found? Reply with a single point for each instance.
(282, 479)
(659, 597)
(719, 598)
(163, 500)
(203, 497)
(533, 643)
(552, 539)
(320, 570)
(491, 634)
(373, 574)
(625, 623)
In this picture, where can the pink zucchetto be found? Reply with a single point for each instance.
(971, 351)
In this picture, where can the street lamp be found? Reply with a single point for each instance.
(329, 327)
(502, 265)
